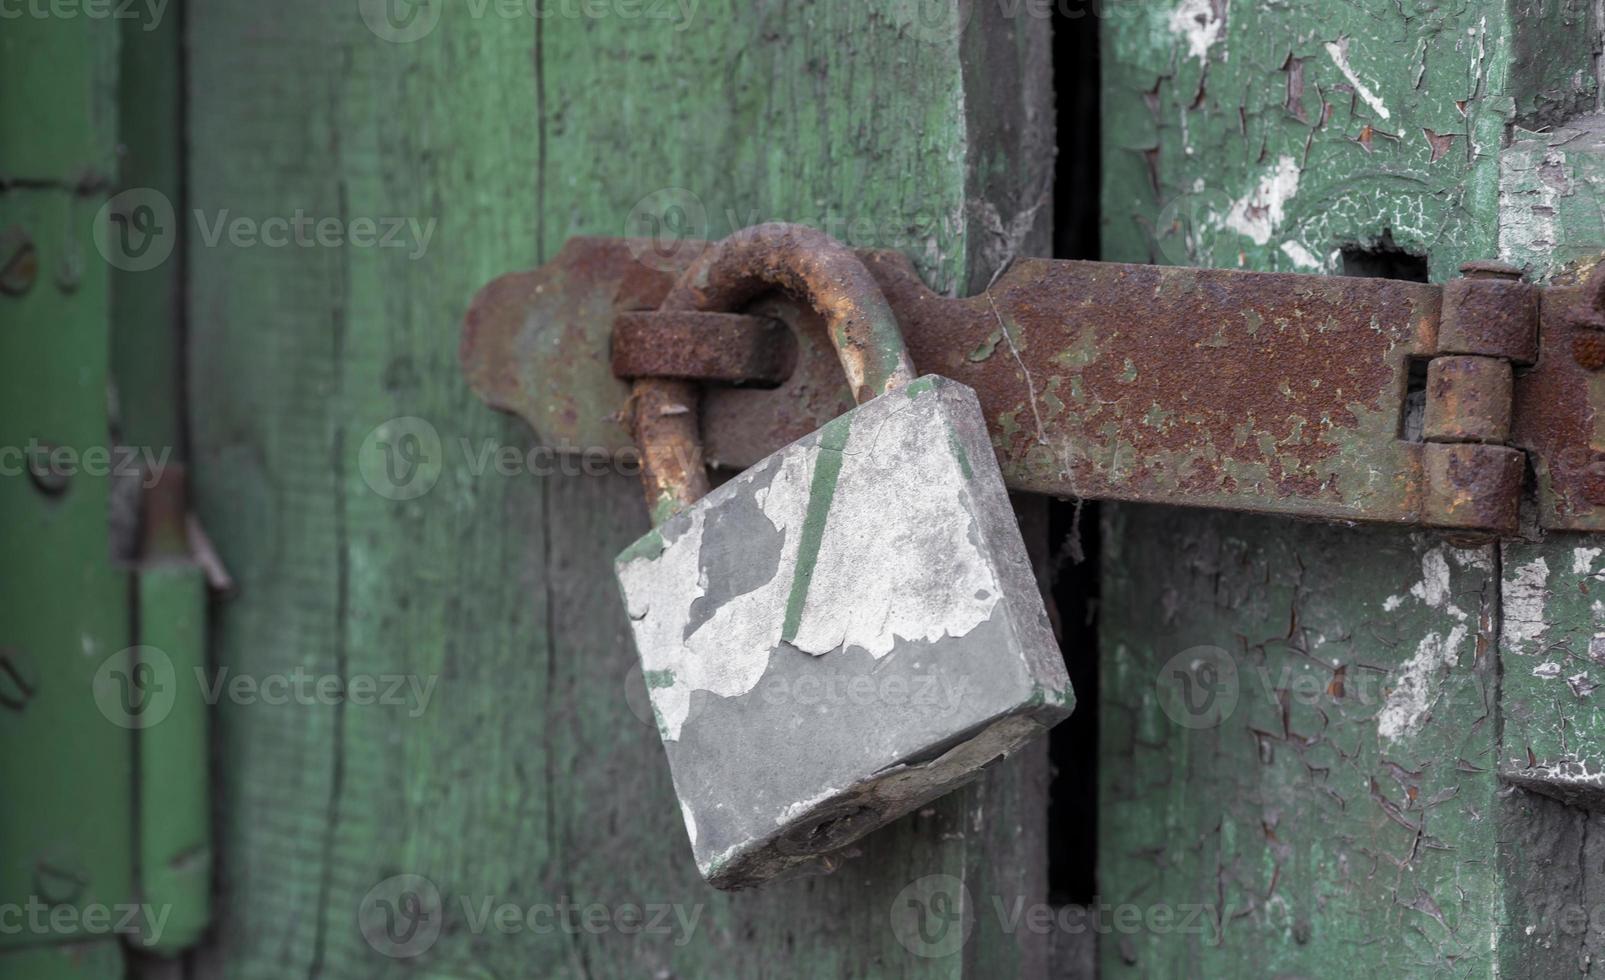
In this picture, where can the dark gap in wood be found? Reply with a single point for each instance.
(1073, 526)
(1078, 169)
(1384, 259)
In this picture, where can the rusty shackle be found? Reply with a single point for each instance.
(811, 267)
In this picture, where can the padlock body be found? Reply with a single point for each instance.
(841, 633)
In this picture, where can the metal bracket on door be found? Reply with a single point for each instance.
(1326, 397)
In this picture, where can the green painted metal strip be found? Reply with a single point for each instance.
(821, 491)
(66, 817)
(173, 792)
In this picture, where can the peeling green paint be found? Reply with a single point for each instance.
(987, 346)
(1304, 128)
(648, 546)
(913, 390)
(1271, 137)
(959, 454)
(664, 508)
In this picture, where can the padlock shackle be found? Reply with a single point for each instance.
(811, 267)
(815, 269)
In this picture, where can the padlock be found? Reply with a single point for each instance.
(850, 628)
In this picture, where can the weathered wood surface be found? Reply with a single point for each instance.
(1271, 136)
(1344, 806)
(1277, 137)
(66, 826)
(527, 779)
(1552, 220)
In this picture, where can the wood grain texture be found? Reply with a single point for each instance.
(527, 780)
(1274, 137)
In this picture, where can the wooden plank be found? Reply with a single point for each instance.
(1342, 807)
(66, 837)
(527, 780)
(1278, 137)
(1272, 136)
(1551, 221)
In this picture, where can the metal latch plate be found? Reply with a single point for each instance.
(1267, 392)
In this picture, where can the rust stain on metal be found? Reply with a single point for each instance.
(1588, 350)
(728, 348)
(1473, 486)
(1216, 388)
(674, 474)
(1560, 408)
(818, 271)
(1263, 391)
(19, 261)
(1491, 312)
(1468, 399)
(815, 270)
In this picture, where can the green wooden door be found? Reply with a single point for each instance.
(1358, 809)
(526, 780)
(427, 746)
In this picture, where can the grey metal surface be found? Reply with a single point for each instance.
(843, 632)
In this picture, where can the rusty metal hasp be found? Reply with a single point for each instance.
(851, 627)
(1327, 397)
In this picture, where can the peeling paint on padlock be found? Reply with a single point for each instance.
(765, 573)
(842, 633)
